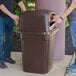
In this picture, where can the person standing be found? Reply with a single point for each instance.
(7, 18)
(70, 13)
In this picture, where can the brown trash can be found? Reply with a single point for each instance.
(37, 39)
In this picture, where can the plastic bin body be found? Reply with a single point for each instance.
(37, 42)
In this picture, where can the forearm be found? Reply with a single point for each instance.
(22, 6)
(69, 10)
(63, 12)
(6, 11)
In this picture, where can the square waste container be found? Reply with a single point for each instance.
(37, 41)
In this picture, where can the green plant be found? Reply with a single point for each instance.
(17, 11)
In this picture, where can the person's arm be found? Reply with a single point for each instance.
(21, 5)
(7, 12)
(56, 17)
(65, 13)
(70, 9)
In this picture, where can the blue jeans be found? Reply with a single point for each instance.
(6, 30)
(72, 68)
(73, 32)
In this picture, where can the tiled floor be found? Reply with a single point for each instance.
(16, 69)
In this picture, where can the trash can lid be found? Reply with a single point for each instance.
(35, 21)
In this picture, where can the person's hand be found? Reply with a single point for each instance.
(57, 19)
(15, 18)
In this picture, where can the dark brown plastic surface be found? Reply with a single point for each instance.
(33, 21)
(37, 42)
